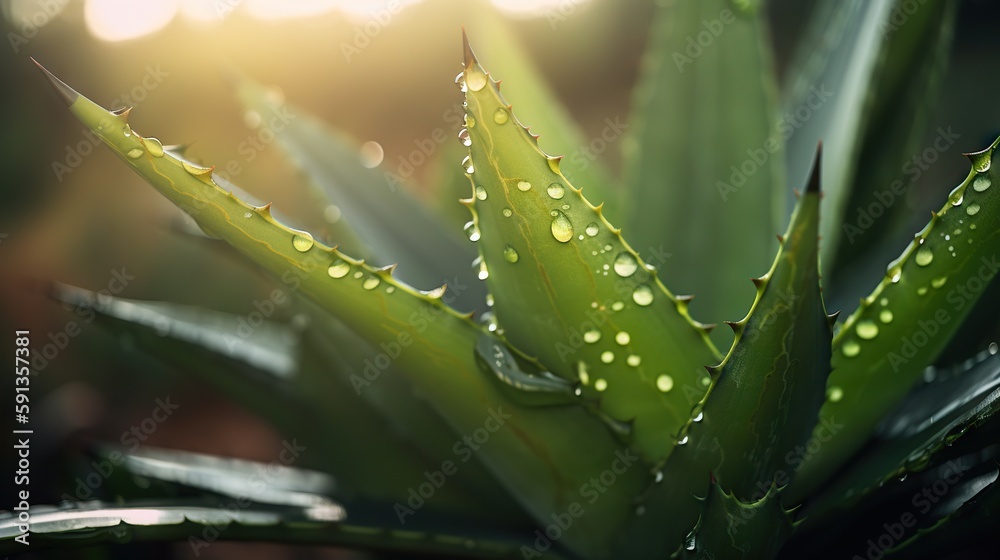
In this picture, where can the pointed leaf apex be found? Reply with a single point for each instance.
(470, 57)
(68, 94)
(813, 186)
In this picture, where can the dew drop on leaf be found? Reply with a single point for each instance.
(642, 295)
(981, 183)
(938, 282)
(134, 153)
(834, 394)
(127, 131)
(591, 336)
(556, 191)
(153, 146)
(467, 165)
(338, 269)
(562, 228)
(622, 338)
(510, 254)
(592, 229)
(471, 231)
(866, 329)
(475, 79)
(633, 360)
(463, 136)
(507, 212)
(302, 241)
(625, 264)
(460, 80)
(600, 384)
(370, 283)
(924, 256)
(664, 383)
(972, 209)
(481, 192)
(851, 348)
(607, 356)
(885, 316)
(500, 116)
(523, 186)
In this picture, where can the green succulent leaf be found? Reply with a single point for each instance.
(730, 529)
(568, 289)
(376, 203)
(882, 349)
(538, 104)
(541, 456)
(773, 382)
(704, 164)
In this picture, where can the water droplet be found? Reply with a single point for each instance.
(471, 231)
(467, 165)
(484, 272)
(463, 136)
(623, 338)
(592, 229)
(981, 161)
(699, 418)
(664, 383)
(607, 356)
(507, 212)
(617, 306)
(633, 360)
(134, 153)
(195, 170)
(127, 131)
(359, 274)
(683, 441)
(556, 191)
(972, 209)
(475, 78)
(885, 316)
(481, 192)
(510, 254)
(500, 116)
(370, 283)
(957, 195)
(642, 295)
(562, 229)
(981, 183)
(883, 302)
(302, 241)
(659, 477)
(582, 373)
(938, 282)
(834, 394)
(489, 300)
(600, 384)
(591, 336)
(248, 214)
(993, 348)
(390, 289)
(153, 146)
(523, 186)
(922, 291)
(460, 80)
(924, 256)
(338, 269)
(625, 264)
(470, 121)
(866, 329)
(851, 348)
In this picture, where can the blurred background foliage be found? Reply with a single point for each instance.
(383, 73)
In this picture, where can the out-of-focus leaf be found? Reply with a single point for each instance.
(704, 170)
(881, 350)
(396, 228)
(569, 290)
(541, 456)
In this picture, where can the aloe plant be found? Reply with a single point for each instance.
(583, 412)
